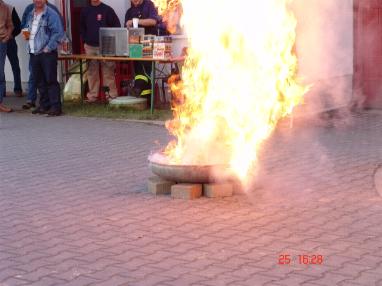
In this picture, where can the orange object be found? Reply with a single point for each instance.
(26, 33)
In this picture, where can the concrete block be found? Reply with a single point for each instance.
(186, 191)
(238, 188)
(159, 186)
(218, 190)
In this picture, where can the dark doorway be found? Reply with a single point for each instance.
(368, 52)
(75, 15)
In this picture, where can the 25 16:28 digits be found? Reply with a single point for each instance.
(287, 259)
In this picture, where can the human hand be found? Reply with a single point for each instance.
(45, 50)
(6, 39)
(129, 23)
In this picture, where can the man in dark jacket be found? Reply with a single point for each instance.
(93, 17)
(148, 17)
(12, 54)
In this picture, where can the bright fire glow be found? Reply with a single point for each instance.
(238, 80)
(170, 11)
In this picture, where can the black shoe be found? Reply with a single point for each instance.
(29, 105)
(40, 110)
(54, 113)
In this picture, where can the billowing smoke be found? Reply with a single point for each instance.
(325, 49)
(325, 52)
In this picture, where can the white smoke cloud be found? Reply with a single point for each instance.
(325, 51)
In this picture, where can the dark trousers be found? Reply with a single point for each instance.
(14, 61)
(143, 68)
(32, 89)
(3, 55)
(44, 69)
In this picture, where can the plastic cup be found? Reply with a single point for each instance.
(26, 33)
(135, 22)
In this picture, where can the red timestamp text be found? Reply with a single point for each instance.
(307, 259)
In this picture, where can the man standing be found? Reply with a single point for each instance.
(12, 54)
(6, 28)
(93, 17)
(46, 31)
(148, 17)
(32, 89)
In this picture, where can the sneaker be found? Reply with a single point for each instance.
(5, 109)
(29, 105)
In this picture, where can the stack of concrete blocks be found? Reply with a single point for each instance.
(159, 186)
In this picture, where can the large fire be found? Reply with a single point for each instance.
(170, 11)
(238, 80)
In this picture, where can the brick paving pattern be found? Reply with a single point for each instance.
(74, 209)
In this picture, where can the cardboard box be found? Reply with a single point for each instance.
(136, 50)
(135, 35)
(162, 48)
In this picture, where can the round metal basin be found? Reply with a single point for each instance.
(191, 174)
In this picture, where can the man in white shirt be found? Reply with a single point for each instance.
(46, 32)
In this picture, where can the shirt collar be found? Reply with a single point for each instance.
(43, 12)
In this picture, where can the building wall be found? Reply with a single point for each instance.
(120, 8)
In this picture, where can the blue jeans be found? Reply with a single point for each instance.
(14, 61)
(44, 69)
(3, 54)
(32, 89)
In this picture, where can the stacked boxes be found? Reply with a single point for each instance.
(135, 46)
(162, 47)
(148, 45)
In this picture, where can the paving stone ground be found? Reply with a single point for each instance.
(74, 209)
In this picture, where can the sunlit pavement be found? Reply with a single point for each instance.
(74, 209)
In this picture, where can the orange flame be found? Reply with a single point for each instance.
(238, 80)
(170, 10)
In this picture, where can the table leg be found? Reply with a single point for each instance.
(82, 83)
(152, 85)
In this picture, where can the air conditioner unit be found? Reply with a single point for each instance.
(114, 41)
